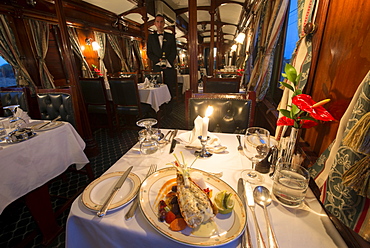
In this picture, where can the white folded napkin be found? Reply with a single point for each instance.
(22, 114)
(168, 65)
(191, 138)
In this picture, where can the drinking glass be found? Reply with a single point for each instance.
(148, 137)
(290, 184)
(256, 146)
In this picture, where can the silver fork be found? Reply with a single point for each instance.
(240, 148)
(135, 203)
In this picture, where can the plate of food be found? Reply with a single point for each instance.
(95, 194)
(192, 207)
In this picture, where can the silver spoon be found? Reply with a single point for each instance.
(263, 198)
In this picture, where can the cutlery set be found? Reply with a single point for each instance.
(261, 196)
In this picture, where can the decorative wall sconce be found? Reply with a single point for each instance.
(233, 48)
(240, 38)
(94, 44)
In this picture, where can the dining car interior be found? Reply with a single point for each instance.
(184, 123)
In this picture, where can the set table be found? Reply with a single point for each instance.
(27, 166)
(294, 227)
(155, 96)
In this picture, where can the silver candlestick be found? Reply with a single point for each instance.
(203, 153)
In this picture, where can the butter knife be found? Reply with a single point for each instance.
(113, 193)
(250, 201)
(246, 238)
(44, 125)
(173, 141)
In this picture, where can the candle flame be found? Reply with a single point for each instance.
(209, 111)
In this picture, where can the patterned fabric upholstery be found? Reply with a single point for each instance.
(343, 202)
(52, 105)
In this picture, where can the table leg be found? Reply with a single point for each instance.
(39, 203)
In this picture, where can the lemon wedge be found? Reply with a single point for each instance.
(224, 202)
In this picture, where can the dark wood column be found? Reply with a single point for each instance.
(193, 46)
(82, 122)
(212, 41)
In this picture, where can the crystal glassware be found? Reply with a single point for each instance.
(256, 146)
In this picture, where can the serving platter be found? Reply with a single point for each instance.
(230, 226)
(98, 191)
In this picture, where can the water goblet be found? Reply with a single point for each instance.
(256, 146)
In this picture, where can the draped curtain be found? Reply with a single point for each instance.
(136, 47)
(114, 42)
(301, 58)
(128, 49)
(272, 20)
(40, 35)
(10, 52)
(101, 39)
(76, 47)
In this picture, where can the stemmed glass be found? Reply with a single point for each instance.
(148, 138)
(13, 109)
(256, 146)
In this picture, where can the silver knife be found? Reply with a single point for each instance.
(250, 200)
(173, 142)
(44, 125)
(118, 185)
(246, 238)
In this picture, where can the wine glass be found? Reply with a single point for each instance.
(13, 109)
(256, 146)
(148, 138)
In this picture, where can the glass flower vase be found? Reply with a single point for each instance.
(291, 145)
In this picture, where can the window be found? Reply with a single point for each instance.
(284, 51)
(6, 74)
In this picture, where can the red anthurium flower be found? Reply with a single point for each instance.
(304, 102)
(285, 121)
(309, 123)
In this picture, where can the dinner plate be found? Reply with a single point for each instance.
(230, 226)
(98, 191)
(50, 126)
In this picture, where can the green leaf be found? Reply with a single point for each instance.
(297, 92)
(287, 86)
(284, 75)
(291, 73)
(296, 125)
(285, 112)
(295, 110)
(305, 117)
(298, 78)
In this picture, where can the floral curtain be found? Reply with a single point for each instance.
(40, 35)
(10, 53)
(301, 58)
(114, 42)
(273, 17)
(342, 200)
(76, 47)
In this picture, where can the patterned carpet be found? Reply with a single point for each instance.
(16, 223)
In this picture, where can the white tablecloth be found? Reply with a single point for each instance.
(185, 80)
(293, 227)
(155, 96)
(27, 165)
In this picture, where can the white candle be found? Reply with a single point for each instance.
(206, 122)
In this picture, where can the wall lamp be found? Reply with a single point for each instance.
(240, 38)
(94, 44)
(233, 48)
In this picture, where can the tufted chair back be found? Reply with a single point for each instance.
(221, 85)
(56, 102)
(232, 112)
(14, 96)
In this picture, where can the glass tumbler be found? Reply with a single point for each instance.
(290, 184)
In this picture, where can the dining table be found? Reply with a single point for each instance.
(154, 96)
(26, 168)
(305, 226)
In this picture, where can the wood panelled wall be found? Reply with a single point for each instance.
(341, 60)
